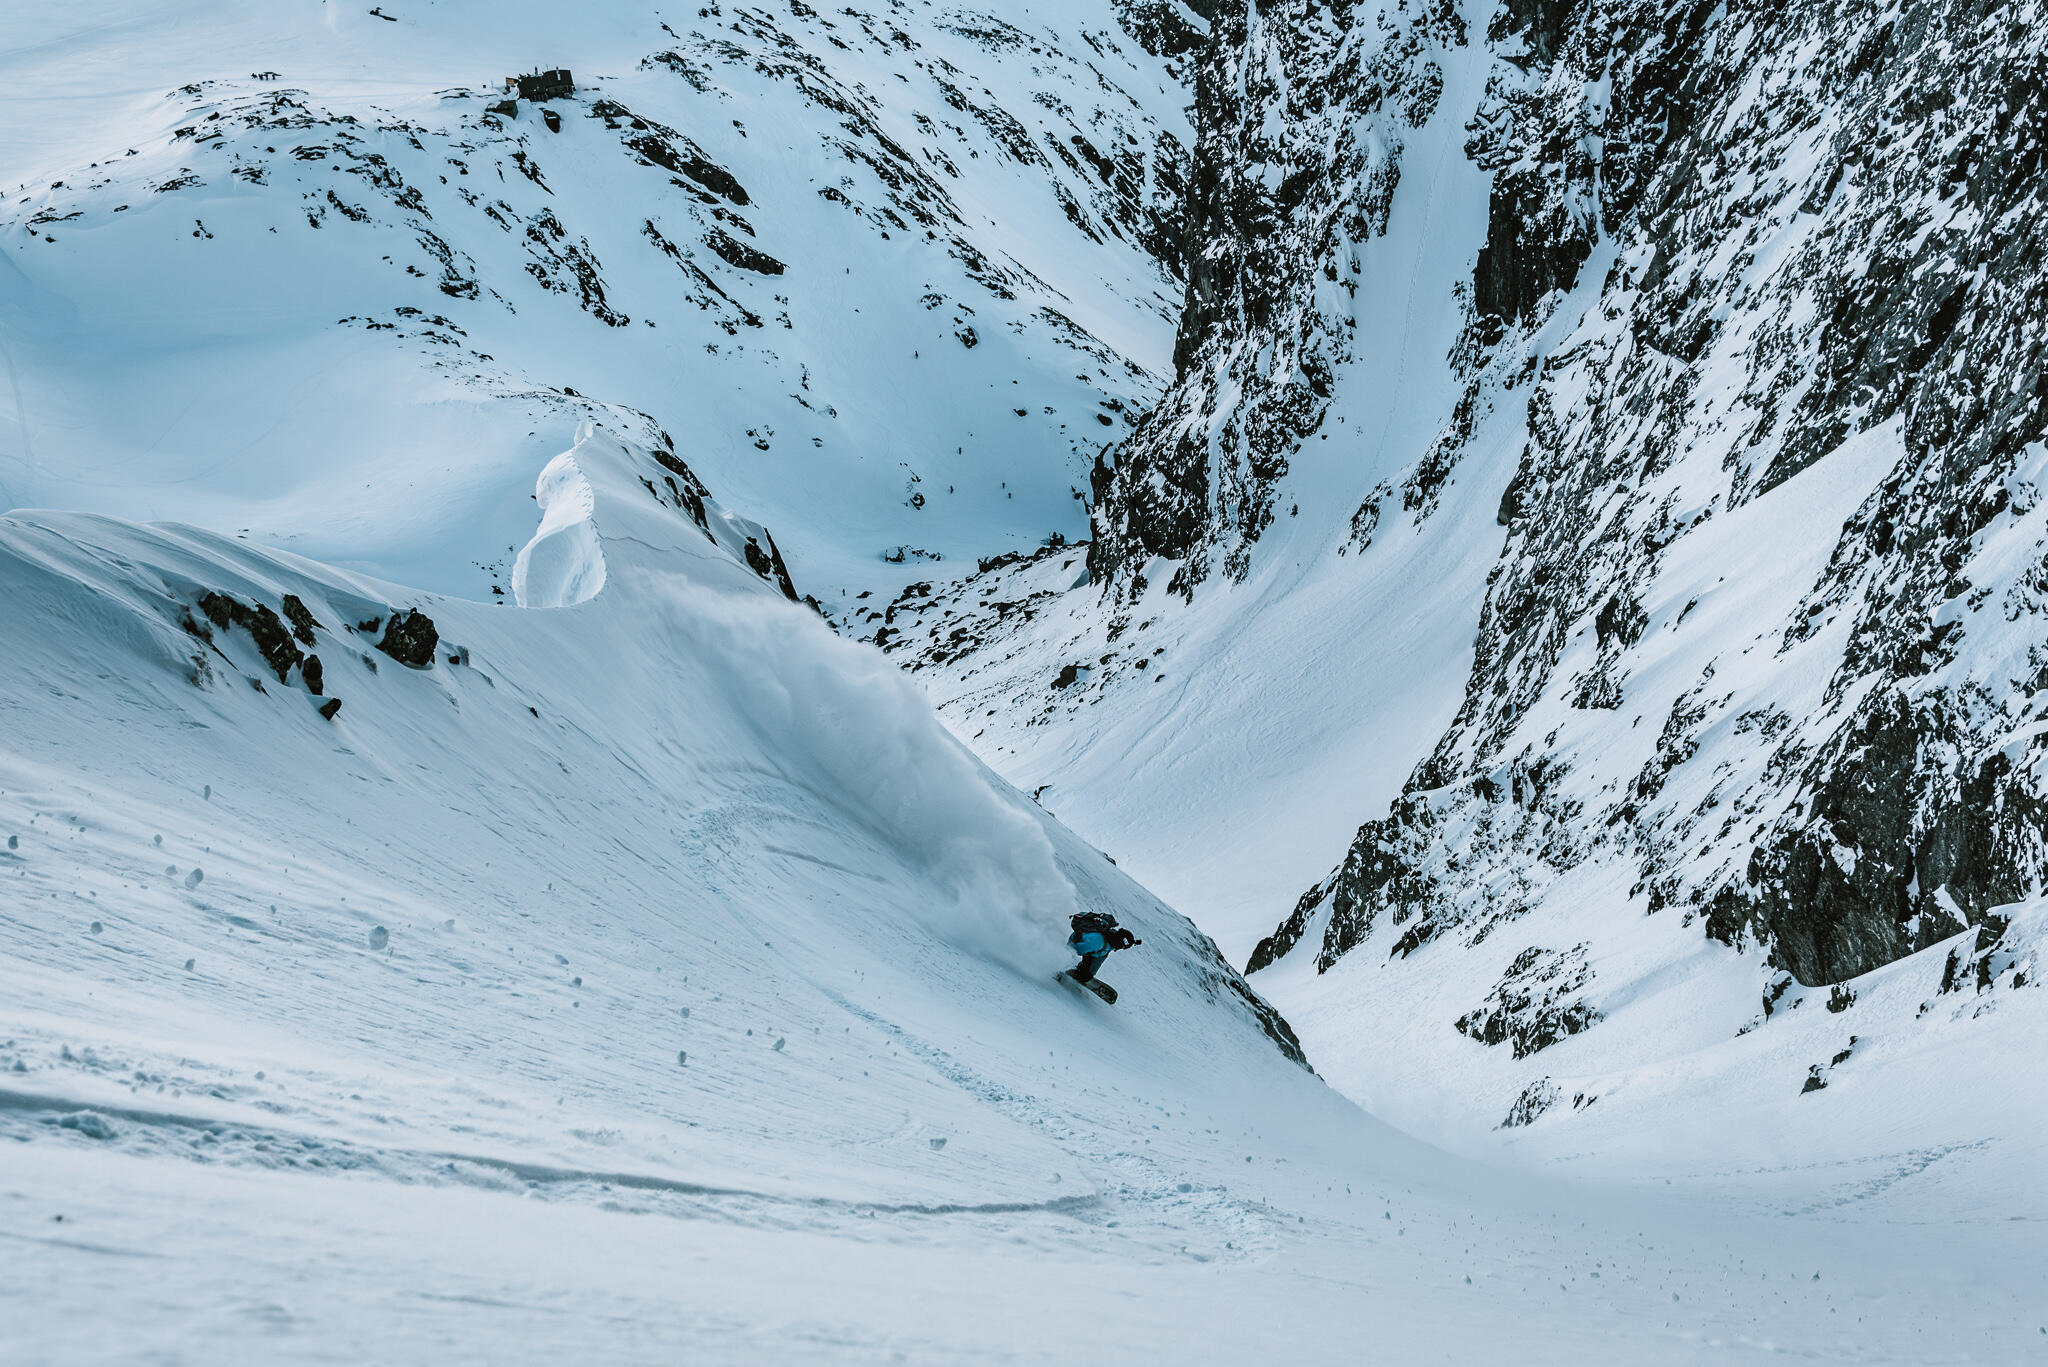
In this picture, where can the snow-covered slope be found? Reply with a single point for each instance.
(654, 877)
(889, 278)
(1604, 460)
(455, 905)
(643, 970)
(1225, 746)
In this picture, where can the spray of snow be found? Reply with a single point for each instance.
(876, 750)
(846, 727)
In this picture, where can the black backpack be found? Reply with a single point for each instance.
(1099, 922)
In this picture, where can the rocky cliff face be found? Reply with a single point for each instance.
(1759, 300)
(1303, 114)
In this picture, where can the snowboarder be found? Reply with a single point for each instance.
(1096, 933)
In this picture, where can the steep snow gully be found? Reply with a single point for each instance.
(439, 924)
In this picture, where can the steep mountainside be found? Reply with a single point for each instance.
(457, 905)
(1806, 271)
(1742, 363)
(887, 275)
(1806, 382)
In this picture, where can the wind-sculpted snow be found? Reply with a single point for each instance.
(842, 720)
(856, 726)
(564, 563)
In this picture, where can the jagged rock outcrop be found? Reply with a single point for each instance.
(1758, 281)
(1303, 113)
(1534, 1005)
(264, 627)
(409, 638)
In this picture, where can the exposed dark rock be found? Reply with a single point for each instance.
(220, 610)
(1400, 869)
(262, 623)
(1536, 1098)
(738, 253)
(778, 572)
(768, 564)
(559, 262)
(556, 84)
(1162, 28)
(1532, 1007)
(686, 491)
(330, 708)
(280, 652)
(1511, 499)
(310, 671)
(410, 639)
(671, 151)
(1904, 842)
(303, 624)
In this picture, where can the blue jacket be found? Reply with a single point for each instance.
(1089, 943)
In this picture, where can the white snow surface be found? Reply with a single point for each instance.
(663, 979)
(652, 976)
(349, 311)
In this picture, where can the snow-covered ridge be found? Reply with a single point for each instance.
(892, 277)
(615, 779)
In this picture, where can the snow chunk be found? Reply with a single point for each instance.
(564, 564)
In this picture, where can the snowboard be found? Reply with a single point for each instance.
(1098, 987)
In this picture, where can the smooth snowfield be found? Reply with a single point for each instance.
(383, 1055)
